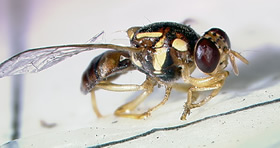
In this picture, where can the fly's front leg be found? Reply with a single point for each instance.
(202, 82)
(184, 87)
(189, 104)
(214, 82)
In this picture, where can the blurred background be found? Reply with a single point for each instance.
(51, 100)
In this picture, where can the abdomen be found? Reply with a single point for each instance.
(108, 64)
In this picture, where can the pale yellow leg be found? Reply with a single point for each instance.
(213, 94)
(214, 82)
(111, 87)
(166, 96)
(184, 87)
(189, 104)
(119, 87)
(148, 86)
(94, 104)
(124, 110)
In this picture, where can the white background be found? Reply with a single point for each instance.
(54, 97)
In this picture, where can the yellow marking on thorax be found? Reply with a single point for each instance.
(159, 59)
(148, 35)
(160, 42)
(180, 45)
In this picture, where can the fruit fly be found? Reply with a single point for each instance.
(163, 51)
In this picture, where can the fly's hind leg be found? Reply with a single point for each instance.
(94, 104)
(106, 85)
(124, 110)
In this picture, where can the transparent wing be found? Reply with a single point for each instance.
(35, 60)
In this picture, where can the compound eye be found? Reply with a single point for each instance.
(207, 55)
(221, 33)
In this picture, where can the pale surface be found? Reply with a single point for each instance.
(53, 95)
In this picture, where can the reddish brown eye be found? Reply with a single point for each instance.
(207, 55)
(221, 33)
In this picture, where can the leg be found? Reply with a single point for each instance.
(213, 94)
(184, 87)
(166, 96)
(214, 82)
(106, 85)
(112, 87)
(124, 110)
(189, 104)
(202, 82)
(94, 105)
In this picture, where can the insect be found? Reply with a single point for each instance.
(163, 51)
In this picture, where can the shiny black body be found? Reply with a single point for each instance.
(170, 70)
